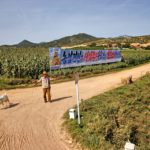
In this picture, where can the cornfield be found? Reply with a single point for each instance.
(23, 63)
(30, 62)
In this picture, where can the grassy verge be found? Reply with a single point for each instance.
(112, 118)
(9, 83)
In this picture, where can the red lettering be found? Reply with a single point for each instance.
(91, 56)
(110, 55)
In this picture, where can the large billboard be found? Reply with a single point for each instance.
(60, 58)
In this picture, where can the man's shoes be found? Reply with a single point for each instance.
(47, 101)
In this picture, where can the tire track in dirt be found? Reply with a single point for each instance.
(34, 125)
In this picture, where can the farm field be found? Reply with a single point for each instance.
(112, 118)
(32, 124)
(18, 66)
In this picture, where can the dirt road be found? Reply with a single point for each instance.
(33, 125)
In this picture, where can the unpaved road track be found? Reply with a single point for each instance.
(33, 125)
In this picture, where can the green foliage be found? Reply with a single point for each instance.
(112, 118)
(147, 48)
(30, 62)
(22, 63)
(93, 44)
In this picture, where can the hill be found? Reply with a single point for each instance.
(83, 39)
(65, 41)
(122, 39)
(26, 43)
(70, 40)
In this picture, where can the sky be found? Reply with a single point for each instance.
(47, 20)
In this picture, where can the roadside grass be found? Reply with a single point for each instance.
(10, 83)
(112, 118)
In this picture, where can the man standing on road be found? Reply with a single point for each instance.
(45, 86)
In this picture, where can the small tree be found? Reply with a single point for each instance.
(93, 44)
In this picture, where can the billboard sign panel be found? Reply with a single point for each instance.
(60, 58)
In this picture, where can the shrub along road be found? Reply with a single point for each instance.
(33, 125)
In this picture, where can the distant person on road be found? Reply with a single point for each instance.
(46, 86)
